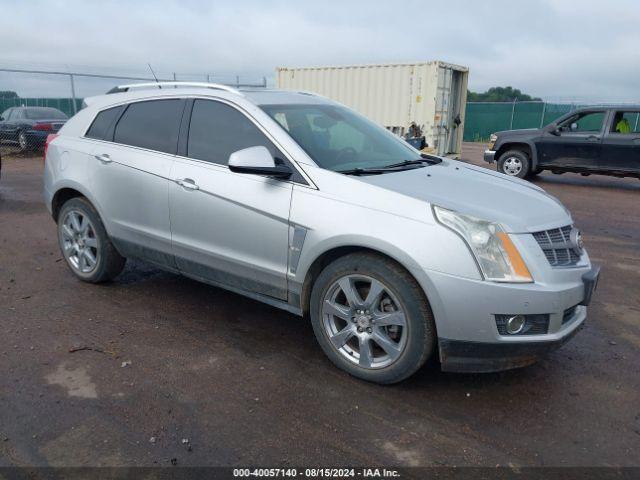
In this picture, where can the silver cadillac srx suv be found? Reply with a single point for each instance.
(295, 200)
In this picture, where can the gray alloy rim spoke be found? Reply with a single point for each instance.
(388, 345)
(375, 291)
(343, 336)
(371, 333)
(340, 311)
(91, 242)
(350, 292)
(366, 356)
(391, 318)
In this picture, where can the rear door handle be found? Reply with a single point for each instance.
(187, 183)
(104, 158)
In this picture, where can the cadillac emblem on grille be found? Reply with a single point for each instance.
(575, 238)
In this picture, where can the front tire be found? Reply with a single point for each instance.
(371, 318)
(84, 243)
(514, 163)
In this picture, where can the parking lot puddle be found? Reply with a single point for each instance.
(76, 380)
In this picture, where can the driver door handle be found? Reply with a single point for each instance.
(104, 158)
(593, 138)
(187, 183)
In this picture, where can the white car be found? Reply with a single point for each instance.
(297, 201)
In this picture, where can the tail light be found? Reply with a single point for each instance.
(50, 139)
(43, 127)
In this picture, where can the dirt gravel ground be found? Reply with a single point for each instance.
(155, 367)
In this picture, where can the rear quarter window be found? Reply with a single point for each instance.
(152, 124)
(100, 129)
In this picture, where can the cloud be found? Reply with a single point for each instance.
(556, 49)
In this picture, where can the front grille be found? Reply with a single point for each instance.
(556, 245)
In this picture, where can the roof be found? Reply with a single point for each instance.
(257, 96)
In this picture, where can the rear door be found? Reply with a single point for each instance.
(228, 228)
(578, 143)
(132, 168)
(621, 142)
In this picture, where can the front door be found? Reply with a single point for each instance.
(576, 143)
(621, 143)
(228, 228)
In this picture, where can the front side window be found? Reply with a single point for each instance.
(152, 124)
(583, 122)
(339, 139)
(626, 122)
(217, 130)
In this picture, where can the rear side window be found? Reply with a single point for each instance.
(153, 125)
(103, 122)
(217, 130)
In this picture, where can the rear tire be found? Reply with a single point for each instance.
(84, 243)
(23, 141)
(382, 337)
(514, 163)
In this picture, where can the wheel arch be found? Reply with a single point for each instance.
(528, 148)
(332, 253)
(68, 191)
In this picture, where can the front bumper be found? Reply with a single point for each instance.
(489, 156)
(469, 340)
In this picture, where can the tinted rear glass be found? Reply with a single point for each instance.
(217, 130)
(44, 113)
(153, 125)
(101, 125)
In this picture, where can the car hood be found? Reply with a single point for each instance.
(518, 205)
(523, 132)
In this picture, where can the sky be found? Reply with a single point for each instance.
(586, 50)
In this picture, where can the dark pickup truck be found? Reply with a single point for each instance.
(602, 140)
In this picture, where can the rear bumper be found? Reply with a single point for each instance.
(489, 156)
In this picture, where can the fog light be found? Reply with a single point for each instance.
(515, 324)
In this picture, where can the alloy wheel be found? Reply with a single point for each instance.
(364, 321)
(79, 242)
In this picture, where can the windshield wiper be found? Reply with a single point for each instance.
(419, 161)
(363, 171)
(394, 167)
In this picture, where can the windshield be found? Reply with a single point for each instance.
(338, 139)
(35, 113)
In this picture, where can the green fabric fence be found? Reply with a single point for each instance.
(484, 118)
(63, 104)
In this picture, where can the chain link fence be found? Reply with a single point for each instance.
(484, 118)
(36, 103)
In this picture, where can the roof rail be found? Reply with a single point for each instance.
(215, 86)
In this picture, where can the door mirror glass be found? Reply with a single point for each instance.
(257, 161)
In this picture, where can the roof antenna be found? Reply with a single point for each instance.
(154, 74)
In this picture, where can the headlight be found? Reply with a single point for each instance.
(493, 138)
(497, 256)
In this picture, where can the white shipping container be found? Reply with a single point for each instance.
(431, 94)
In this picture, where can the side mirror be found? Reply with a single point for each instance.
(574, 126)
(257, 161)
